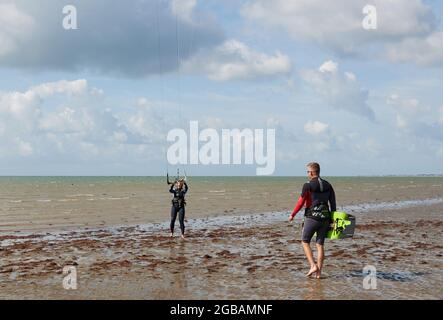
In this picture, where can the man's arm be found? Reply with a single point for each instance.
(171, 190)
(301, 201)
(304, 198)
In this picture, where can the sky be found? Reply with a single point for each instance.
(101, 98)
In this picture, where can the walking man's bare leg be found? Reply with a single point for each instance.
(320, 259)
(309, 256)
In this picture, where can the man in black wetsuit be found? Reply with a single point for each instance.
(179, 189)
(315, 197)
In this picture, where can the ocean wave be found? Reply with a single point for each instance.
(217, 191)
(364, 207)
(115, 198)
(80, 195)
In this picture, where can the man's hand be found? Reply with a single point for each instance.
(290, 218)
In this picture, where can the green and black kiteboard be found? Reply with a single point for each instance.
(342, 226)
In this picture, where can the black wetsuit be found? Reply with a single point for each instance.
(316, 195)
(178, 206)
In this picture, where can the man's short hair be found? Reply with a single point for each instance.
(314, 166)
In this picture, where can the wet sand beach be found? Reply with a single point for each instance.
(33, 204)
(244, 257)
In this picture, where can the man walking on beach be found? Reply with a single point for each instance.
(315, 196)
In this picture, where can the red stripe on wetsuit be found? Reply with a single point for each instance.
(305, 199)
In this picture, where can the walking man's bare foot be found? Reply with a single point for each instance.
(183, 236)
(314, 269)
(171, 235)
(318, 276)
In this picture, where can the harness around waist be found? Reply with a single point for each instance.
(318, 212)
(178, 202)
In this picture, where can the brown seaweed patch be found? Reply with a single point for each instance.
(227, 254)
(379, 225)
(252, 269)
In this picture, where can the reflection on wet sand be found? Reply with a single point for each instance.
(239, 261)
(314, 290)
(178, 283)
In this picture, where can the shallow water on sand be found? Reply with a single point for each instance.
(236, 261)
(239, 244)
(64, 203)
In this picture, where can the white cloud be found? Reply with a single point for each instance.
(416, 119)
(22, 110)
(306, 19)
(183, 9)
(337, 25)
(145, 122)
(326, 21)
(143, 102)
(407, 110)
(15, 25)
(315, 127)
(350, 76)
(63, 86)
(409, 105)
(329, 66)
(129, 39)
(235, 60)
(340, 90)
(51, 119)
(67, 120)
(426, 51)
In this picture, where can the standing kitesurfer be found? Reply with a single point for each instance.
(179, 189)
(315, 196)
